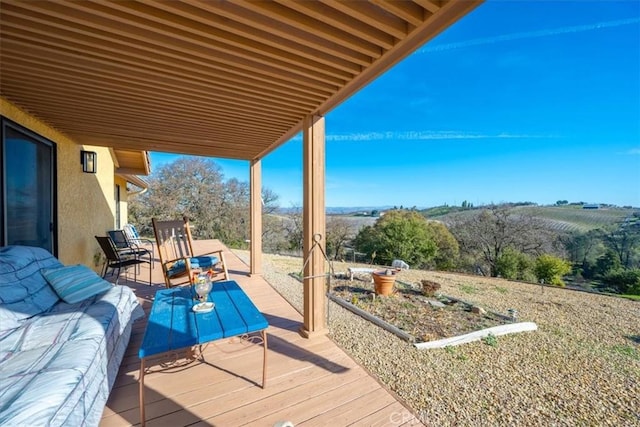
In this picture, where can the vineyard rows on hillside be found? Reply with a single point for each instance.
(561, 218)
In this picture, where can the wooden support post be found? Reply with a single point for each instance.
(313, 212)
(255, 185)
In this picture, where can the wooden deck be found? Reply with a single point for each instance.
(310, 382)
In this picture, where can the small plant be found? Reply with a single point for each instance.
(407, 305)
(490, 340)
(501, 290)
(468, 289)
(98, 259)
(429, 288)
(627, 350)
(453, 351)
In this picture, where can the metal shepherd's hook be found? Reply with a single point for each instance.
(317, 238)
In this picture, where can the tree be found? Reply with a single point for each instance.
(293, 228)
(607, 263)
(447, 249)
(624, 281)
(624, 241)
(195, 187)
(231, 220)
(399, 234)
(339, 232)
(550, 269)
(273, 233)
(484, 235)
(581, 247)
(189, 186)
(269, 201)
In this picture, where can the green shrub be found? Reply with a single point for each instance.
(607, 263)
(507, 264)
(624, 281)
(551, 269)
(447, 250)
(529, 275)
(401, 235)
(514, 265)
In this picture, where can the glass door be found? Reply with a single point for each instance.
(28, 184)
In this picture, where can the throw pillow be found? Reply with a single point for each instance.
(75, 283)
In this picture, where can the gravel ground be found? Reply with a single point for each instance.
(581, 367)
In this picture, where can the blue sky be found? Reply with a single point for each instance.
(518, 101)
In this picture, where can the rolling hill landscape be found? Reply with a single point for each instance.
(574, 217)
(565, 218)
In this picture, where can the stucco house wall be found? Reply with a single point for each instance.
(118, 180)
(85, 202)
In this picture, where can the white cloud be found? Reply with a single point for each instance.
(528, 35)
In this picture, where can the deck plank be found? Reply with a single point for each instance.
(311, 382)
(352, 409)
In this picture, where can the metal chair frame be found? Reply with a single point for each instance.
(116, 260)
(133, 237)
(126, 247)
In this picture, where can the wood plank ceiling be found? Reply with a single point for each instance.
(227, 79)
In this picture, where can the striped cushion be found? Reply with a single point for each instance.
(199, 262)
(75, 282)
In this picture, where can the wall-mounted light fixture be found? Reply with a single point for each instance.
(89, 160)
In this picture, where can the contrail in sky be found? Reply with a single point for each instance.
(422, 135)
(528, 35)
(425, 135)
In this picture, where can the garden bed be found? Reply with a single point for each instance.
(418, 318)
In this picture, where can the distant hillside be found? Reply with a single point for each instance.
(338, 210)
(571, 217)
(561, 218)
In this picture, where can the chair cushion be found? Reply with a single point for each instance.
(75, 283)
(202, 262)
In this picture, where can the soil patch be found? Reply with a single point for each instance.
(411, 311)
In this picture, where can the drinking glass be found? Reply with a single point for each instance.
(203, 287)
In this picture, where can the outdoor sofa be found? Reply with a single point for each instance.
(63, 334)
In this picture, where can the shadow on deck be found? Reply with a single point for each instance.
(310, 382)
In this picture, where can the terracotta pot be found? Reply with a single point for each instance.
(383, 284)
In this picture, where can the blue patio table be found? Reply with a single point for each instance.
(174, 326)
